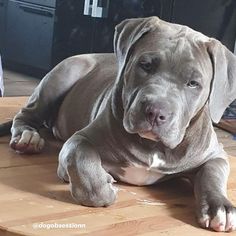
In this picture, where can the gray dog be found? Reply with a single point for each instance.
(140, 116)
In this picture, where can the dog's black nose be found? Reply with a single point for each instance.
(156, 115)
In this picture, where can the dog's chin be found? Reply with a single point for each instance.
(168, 142)
(149, 135)
(154, 137)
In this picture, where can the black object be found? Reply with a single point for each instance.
(104, 19)
(215, 18)
(29, 34)
(36, 33)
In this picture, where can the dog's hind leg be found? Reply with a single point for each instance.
(45, 101)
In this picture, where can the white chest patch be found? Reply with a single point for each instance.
(156, 161)
(142, 175)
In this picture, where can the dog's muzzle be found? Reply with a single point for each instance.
(149, 118)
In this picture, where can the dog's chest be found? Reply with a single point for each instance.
(141, 174)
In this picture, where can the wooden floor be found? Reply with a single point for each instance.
(31, 196)
(18, 84)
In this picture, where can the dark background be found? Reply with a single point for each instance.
(37, 34)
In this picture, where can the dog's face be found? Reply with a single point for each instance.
(167, 74)
(166, 83)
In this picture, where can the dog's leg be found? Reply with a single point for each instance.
(44, 103)
(90, 184)
(41, 105)
(214, 210)
(25, 137)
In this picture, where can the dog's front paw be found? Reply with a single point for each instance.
(99, 194)
(218, 214)
(81, 165)
(28, 142)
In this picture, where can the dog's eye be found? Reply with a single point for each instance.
(146, 66)
(193, 84)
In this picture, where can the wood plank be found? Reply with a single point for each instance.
(31, 193)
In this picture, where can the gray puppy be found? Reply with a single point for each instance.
(140, 116)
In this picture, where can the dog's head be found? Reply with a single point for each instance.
(167, 74)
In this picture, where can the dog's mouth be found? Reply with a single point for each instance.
(169, 138)
(135, 123)
(149, 135)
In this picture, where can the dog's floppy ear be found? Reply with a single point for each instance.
(127, 33)
(223, 87)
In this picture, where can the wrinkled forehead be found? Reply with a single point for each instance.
(171, 37)
(177, 46)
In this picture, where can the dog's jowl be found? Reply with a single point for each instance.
(140, 115)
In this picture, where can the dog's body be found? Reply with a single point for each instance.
(141, 116)
(146, 160)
